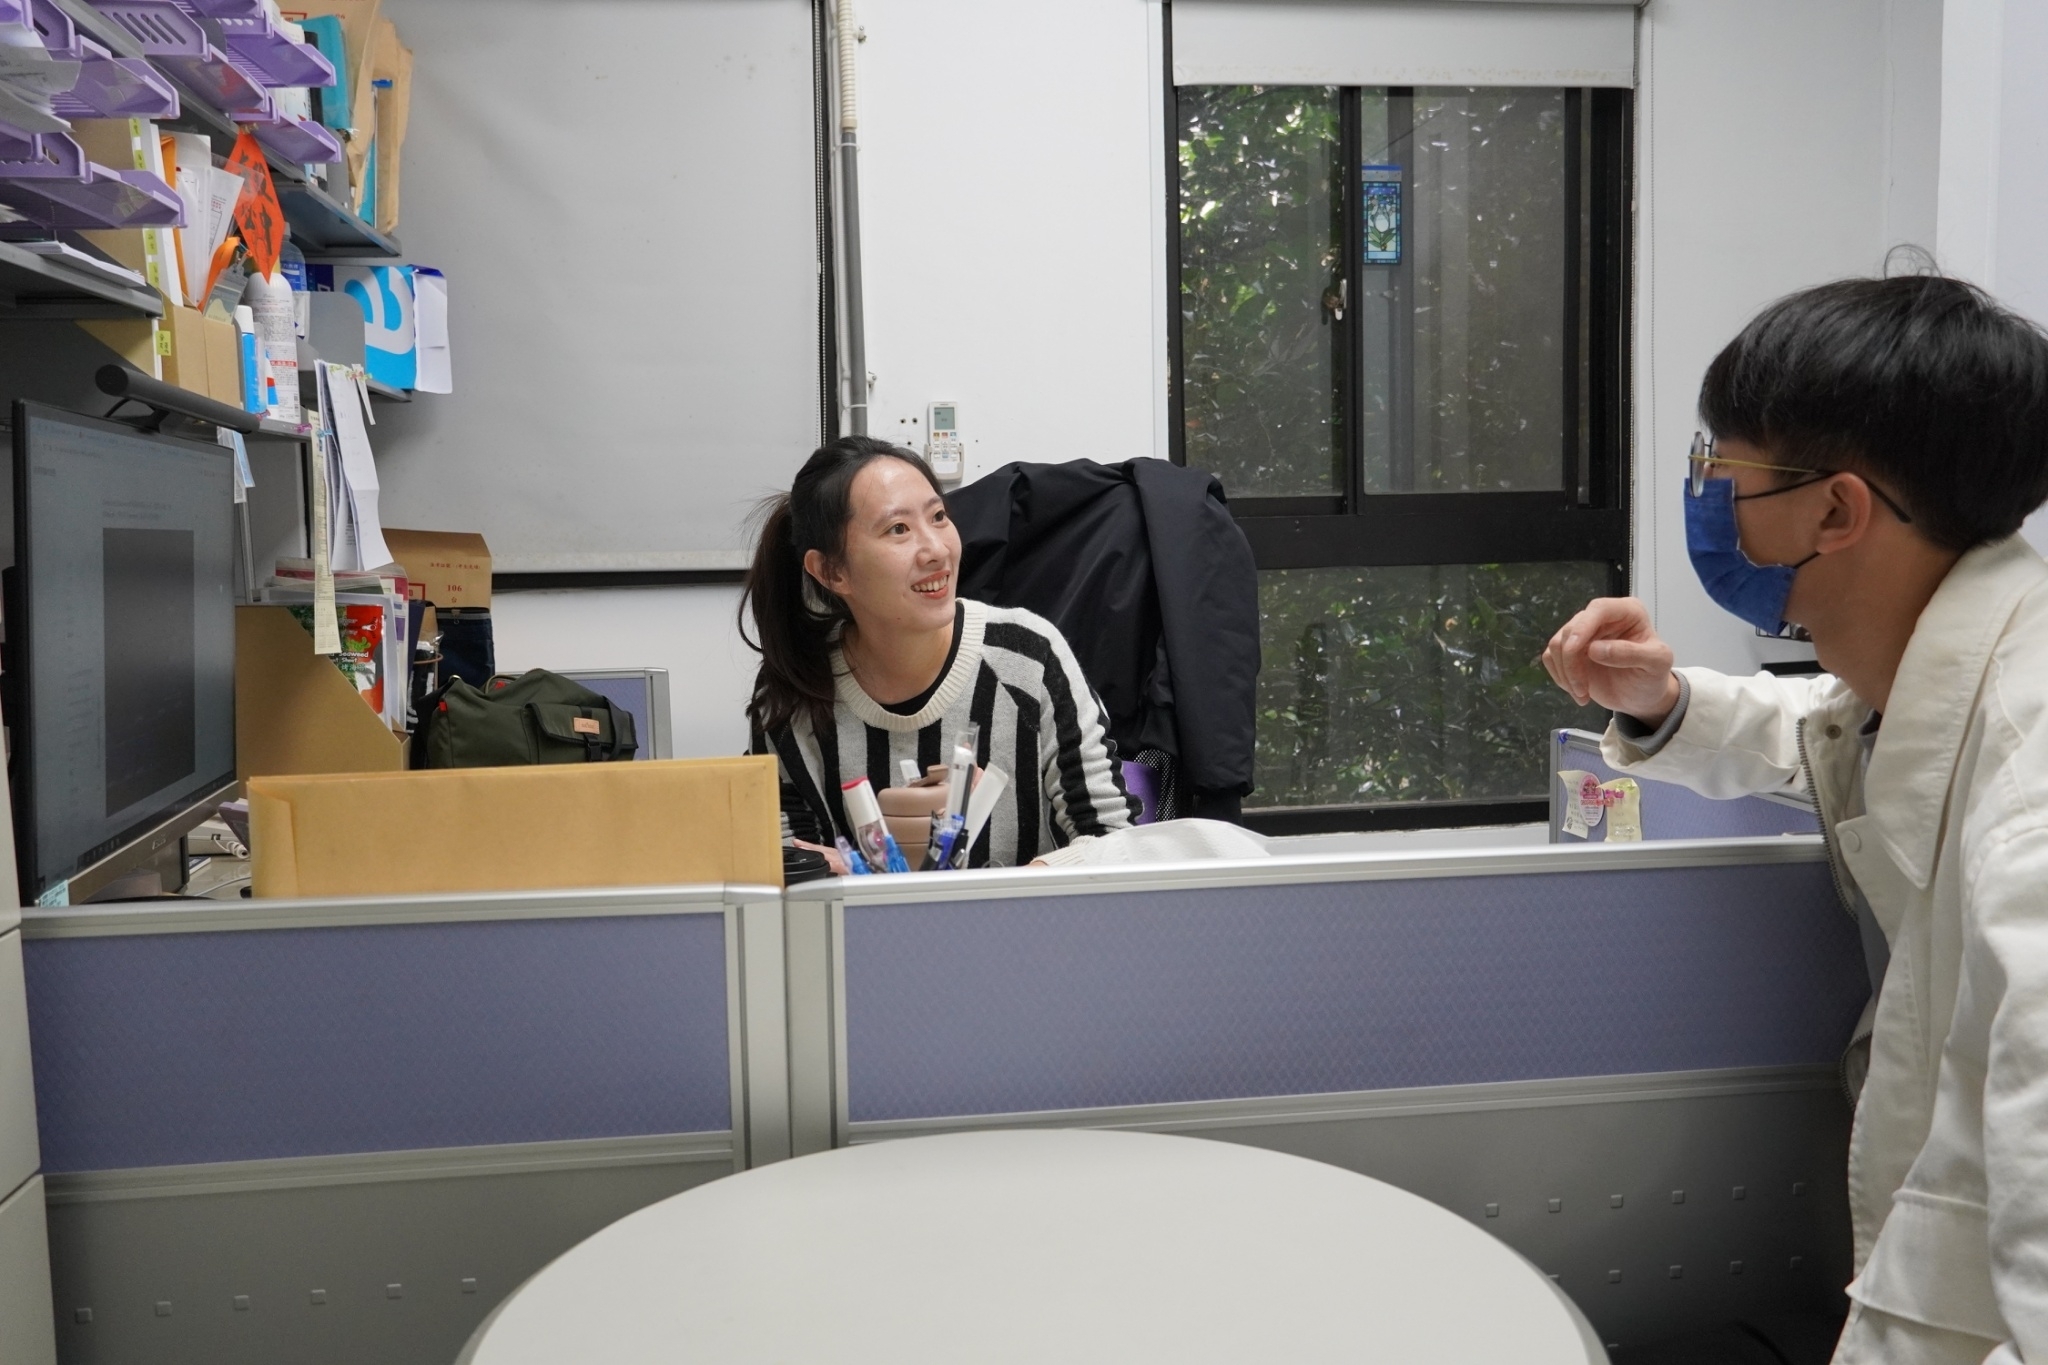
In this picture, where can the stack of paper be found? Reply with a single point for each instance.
(371, 620)
(209, 194)
(355, 530)
(436, 372)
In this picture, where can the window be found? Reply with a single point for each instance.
(1401, 342)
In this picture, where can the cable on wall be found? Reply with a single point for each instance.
(821, 170)
(849, 225)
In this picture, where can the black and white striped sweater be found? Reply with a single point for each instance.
(1015, 677)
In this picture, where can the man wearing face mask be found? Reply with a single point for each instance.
(1874, 448)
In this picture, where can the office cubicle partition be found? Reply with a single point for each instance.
(1621, 1059)
(25, 1329)
(336, 1131)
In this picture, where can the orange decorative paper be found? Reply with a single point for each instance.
(257, 212)
(222, 259)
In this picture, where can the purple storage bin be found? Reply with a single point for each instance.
(14, 13)
(270, 55)
(177, 41)
(263, 52)
(12, 131)
(54, 27)
(107, 86)
(117, 87)
(291, 139)
(45, 66)
(58, 187)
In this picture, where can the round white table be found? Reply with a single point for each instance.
(1038, 1246)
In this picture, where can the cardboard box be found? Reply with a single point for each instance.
(294, 711)
(550, 827)
(181, 342)
(223, 360)
(358, 35)
(390, 60)
(132, 339)
(447, 568)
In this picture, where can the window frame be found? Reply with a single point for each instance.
(1588, 518)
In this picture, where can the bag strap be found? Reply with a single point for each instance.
(428, 719)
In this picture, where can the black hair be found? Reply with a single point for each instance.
(794, 615)
(1920, 381)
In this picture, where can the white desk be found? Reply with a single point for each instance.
(1039, 1246)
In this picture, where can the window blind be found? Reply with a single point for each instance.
(1402, 42)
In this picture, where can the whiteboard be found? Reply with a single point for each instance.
(622, 195)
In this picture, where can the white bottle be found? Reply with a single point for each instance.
(270, 299)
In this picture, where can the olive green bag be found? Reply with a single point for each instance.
(537, 717)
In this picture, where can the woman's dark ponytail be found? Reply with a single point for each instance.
(794, 618)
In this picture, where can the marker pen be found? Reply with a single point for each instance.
(960, 781)
(864, 813)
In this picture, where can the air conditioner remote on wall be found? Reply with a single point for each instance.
(942, 450)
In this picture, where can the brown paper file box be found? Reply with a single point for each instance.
(294, 711)
(447, 568)
(662, 823)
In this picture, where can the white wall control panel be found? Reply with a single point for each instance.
(942, 449)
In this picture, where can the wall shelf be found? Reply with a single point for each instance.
(33, 286)
(379, 389)
(323, 227)
(286, 431)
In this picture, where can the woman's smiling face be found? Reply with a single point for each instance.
(902, 551)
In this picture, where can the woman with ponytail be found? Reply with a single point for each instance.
(868, 658)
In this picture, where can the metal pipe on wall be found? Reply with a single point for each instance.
(849, 226)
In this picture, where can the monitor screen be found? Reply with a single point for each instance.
(123, 644)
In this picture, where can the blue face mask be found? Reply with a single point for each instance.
(1755, 592)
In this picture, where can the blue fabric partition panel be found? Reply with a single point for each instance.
(200, 1047)
(1007, 1006)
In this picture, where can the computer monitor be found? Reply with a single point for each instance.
(120, 647)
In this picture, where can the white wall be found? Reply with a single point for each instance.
(1781, 146)
(1012, 219)
(1994, 157)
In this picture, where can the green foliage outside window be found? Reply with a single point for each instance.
(1259, 244)
(1405, 684)
(1412, 684)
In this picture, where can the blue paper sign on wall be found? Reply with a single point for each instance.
(390, 332)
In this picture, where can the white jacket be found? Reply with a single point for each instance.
(1946, 835)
